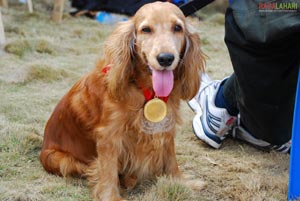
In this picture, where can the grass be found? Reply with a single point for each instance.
(39, 72)
(42, 60)
(170, 191)
(19, 47)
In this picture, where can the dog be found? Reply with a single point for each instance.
(100, 129)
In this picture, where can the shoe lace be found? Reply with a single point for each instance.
(208, 85)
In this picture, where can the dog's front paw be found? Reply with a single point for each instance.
(129, 182)
(195, 184)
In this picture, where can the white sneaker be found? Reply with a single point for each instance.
(194, 103)
(214, 123)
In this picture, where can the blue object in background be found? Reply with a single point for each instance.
(108, 18)
(294, 184)
(179, 2)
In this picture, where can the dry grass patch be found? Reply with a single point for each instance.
(217, 18)
(31, 143)
(45, 73)
(169, 190)
(18, 48)
(22, 47)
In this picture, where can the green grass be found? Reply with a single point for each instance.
(19, 47)
(31, 143)
(40, 72)
(24, 46)
(173, 191)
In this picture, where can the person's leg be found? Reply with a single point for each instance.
(265, 53)
(264, 50)
(226, 96)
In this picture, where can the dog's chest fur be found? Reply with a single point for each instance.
(141, 154)
(144, 155)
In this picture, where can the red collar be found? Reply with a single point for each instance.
(148, 93)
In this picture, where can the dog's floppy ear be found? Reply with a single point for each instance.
(193, 63)
(119, 52)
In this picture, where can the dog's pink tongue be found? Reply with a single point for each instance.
(162, 81)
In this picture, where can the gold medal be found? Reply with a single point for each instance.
(155, 110)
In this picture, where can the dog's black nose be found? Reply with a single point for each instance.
(165, 59)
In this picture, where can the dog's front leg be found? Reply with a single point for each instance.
(170, 163)
(172, 169)
(103, 174)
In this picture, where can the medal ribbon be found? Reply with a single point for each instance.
(149, 95)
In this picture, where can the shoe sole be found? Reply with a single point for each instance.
(200, 134)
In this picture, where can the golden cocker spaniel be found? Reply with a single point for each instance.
(104, 128)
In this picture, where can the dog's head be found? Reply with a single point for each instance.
(156, 44)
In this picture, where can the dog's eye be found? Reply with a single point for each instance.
(146, 30)
(177, 28)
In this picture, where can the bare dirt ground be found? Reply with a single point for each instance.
(39, 64)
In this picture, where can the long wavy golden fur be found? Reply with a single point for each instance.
(96, 130)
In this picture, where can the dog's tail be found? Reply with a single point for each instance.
(62, 163)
